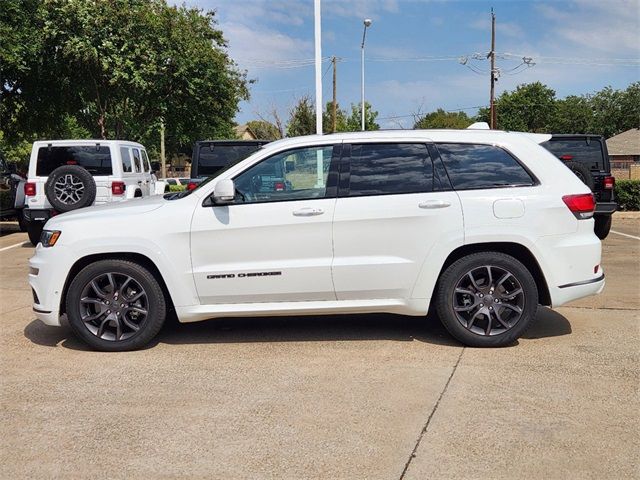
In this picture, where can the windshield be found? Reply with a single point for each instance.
(213, 157)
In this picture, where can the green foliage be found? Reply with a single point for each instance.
(264, 130)
(533, 107)
(627, 193)
(177, 188)
(302, 118)
(354, 121)
(114, 69)
(442, 119)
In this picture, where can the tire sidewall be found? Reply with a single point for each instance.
(452, 275)
(85, 177)
(602, 226)
(155, 317)
(582, 172)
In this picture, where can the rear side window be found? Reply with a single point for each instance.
(583, 150)
(145, 158)
(212, 158)
(383, 169)
(125, 153)
(481, 166)
(95, 159)
(136, 159)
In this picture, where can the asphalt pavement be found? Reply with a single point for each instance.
(353, 397)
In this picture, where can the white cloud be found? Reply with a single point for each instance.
(509, 29)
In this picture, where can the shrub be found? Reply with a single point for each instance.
(628, 194)
(177, 188)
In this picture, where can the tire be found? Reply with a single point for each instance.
(70, 187)
(466, 315)
(602, 226)
(22, 223)
(104, 317)
(582, 173)
(34, 230)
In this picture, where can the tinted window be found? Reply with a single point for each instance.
(125, 153)
(577, 150)
(136, 159)
(212, 158)
(379, 169)
(481, 166)
(289, 175)
(95, 159)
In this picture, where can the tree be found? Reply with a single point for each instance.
(529, 108)
(442, 119)
(573, 114)
(264, 130)
(327, 119)
(119, 67)
(302, 118)
(354, 121)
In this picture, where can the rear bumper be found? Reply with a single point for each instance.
(37, 214)
(606, 208)
(573, 291)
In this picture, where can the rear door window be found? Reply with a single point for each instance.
(586, 151)
(96, 159)
(472, 166)
(136, 160)
(125, 153)
(389, 168)
(145, 159)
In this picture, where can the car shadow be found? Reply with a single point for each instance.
(360, 327)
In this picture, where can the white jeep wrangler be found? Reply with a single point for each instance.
(65, 175)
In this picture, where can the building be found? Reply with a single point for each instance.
(243, 132)
(624, 149)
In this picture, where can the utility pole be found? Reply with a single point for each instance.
(163, 159)
(334, 109)
(492, 54)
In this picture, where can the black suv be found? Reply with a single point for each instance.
(211, 156)
(11, 193)
(587, 157)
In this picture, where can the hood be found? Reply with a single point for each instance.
(135, 206)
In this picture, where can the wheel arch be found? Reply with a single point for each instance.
(516, 250)
(138, 258)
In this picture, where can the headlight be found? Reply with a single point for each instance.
(49, 237)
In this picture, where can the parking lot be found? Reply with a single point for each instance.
(363, 396)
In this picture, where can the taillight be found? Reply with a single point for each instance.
(118, 188)
(30, 189)
(566, 158)
(278, 186)
(582, 206)
(609, 182)
(192, 186)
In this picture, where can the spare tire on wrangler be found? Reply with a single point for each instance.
(582, 172)
(70, 187)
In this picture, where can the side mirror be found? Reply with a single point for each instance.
(224, 192)
(155, 167)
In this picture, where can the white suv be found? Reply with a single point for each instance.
(481, 225)
(65, 175)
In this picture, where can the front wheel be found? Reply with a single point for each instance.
(115, 305)
(487, 299)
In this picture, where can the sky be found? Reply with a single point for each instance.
(415, 50)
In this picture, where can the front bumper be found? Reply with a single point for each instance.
(47, 273)
(606, 208)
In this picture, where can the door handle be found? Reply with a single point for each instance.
(308, 212)
(434, 204)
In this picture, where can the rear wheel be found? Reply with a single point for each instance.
(34, 230)
(115, 305)
(487, 299)
(602, 226)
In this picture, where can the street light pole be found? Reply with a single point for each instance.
(367, 23)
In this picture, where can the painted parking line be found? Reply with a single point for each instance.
(625, 234)
(22, 243)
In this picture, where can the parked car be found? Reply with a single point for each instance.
(211, 156)
(587, 157)
(481, 226)
(11, 193)
(66, 175)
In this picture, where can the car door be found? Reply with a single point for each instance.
(142, 179)
(274, 243)
(395, 213)
(149, 177)
(129, 173)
